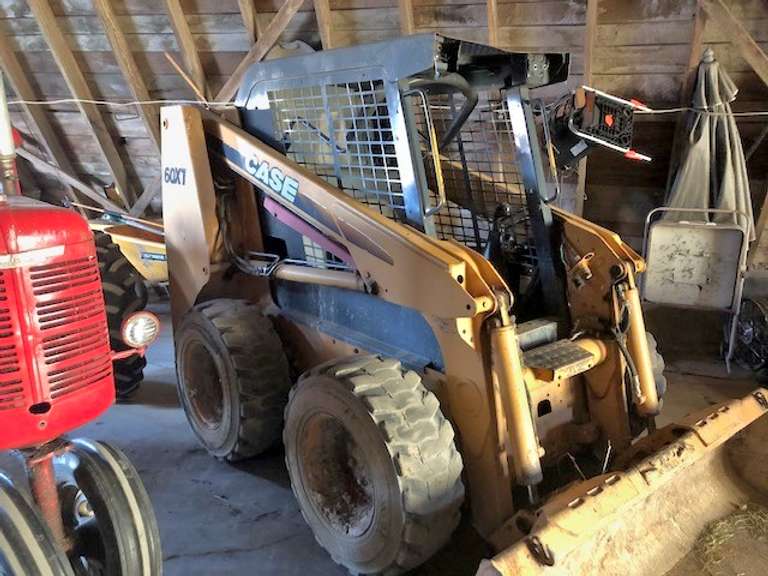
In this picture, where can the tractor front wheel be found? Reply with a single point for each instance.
(107, 512)
(373, 464)
(26, 544)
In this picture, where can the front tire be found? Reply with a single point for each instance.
(233, 377)
(373, 464)
(26, 544)
(108, 512)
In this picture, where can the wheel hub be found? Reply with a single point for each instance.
(206, 392)
(336, 475)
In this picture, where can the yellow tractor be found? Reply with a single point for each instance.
(366, 261)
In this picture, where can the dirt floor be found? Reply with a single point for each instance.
(216, 518)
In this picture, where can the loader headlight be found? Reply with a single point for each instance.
(140, 329)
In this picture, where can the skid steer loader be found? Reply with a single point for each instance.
(366, 260)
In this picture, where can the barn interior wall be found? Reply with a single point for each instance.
(641, 50)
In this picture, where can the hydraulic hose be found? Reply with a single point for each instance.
(453, 83)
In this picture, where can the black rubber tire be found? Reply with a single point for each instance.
(658, 365)
(26, 544)
(398, 449)
(234, 350)
(126, 529)
(124, 293)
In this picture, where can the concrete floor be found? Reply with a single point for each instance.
(217, 518)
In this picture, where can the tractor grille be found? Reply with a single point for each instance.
(70, 315)
(11, 384)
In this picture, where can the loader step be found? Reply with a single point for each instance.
(558, 360)
(536, 333)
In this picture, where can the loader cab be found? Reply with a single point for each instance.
(469, 168)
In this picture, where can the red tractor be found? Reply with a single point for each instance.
(89, 512)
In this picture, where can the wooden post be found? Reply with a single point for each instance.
(250, 19)
(760, 225)
(407, 24)
(686, 88)
(590, 32)
(259, 50)
(324, 22)
(493, 22)
(37, 119)
(187, 45)
(77, 84)
(150, 113)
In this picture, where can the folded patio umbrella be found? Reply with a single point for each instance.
(712, 172)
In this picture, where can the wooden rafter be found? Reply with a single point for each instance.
(79, 88)
(150, 113)
(187, 47)
(324, 23)
(250, 19)
(69, 178)
(37, 119)
(140, 206)
(739, 36)
(407, 22)
(493, 22)
(590, 33)
(263, 45)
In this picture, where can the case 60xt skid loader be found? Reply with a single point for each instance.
(376, 227)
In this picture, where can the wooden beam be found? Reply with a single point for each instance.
(73, 75)
(263, 45)
(590, 33)
(407, 22)
(762, 223)
(152, 190)
(150, 113)
(250, 19)
(68, 177)
(687, 81)
(324, 22)
(187, 46)
(695, 50)
(37, 119)
(493, 22)
(739, 36)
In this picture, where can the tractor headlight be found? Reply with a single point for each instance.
(140, 329)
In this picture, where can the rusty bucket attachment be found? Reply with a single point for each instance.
(649, 516)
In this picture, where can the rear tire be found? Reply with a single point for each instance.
(373, 464)
(233, 378)
(120, 536)
(124, 293)
(26, 544)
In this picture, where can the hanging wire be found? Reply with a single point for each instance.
(652, 111)
(228, 104)
(118, 104)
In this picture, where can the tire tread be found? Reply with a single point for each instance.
(421, 443)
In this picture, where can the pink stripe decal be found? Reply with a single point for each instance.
(295, 223)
